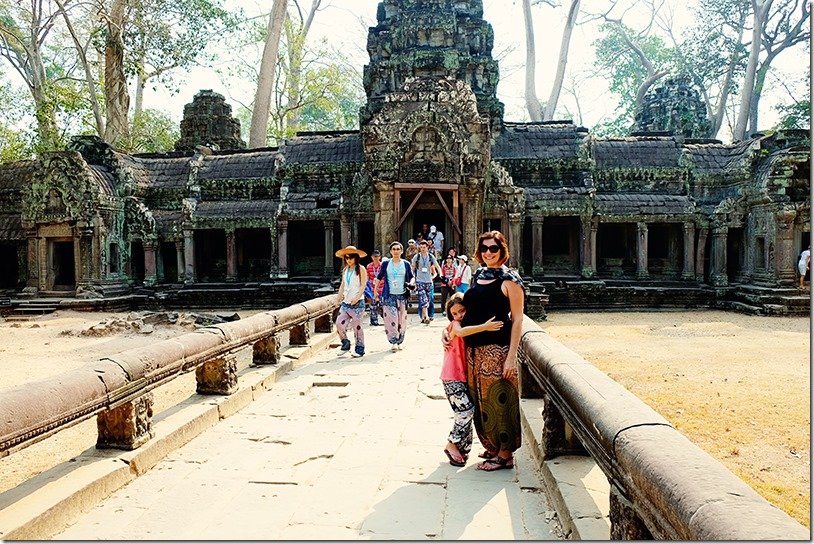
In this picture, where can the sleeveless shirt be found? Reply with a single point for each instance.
(481, 303)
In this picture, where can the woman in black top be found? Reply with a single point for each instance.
(496, 291)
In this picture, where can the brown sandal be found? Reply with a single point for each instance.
(486, 454)
(496, 463)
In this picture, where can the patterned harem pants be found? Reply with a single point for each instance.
(458, 395)
(496, 399)
(350, 317)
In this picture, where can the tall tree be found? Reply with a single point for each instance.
(760, 12)
(532, 102)
(258, 132)
(562, 61)
(296, 32)
(117, 96)
(24, 30)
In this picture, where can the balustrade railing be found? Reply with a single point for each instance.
(662, 486)
(118, 389)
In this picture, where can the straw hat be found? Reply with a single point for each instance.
(350, 250)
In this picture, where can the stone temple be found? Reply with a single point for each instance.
(661, 217)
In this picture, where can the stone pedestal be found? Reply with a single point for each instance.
(324, 323)
(558, 437)
(127, 426)
(625, 522)
(266, 351)
(217, 377)
(299, 335)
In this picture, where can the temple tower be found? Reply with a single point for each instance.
(675, 106)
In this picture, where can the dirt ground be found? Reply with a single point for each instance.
(737, 385)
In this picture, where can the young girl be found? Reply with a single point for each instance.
(351, 291)
(453, 376)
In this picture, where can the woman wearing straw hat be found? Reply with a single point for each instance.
(351, 293)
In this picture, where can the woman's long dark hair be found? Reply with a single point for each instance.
(356, 266)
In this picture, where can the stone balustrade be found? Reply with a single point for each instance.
(662, 486)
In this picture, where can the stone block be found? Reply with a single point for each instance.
(217, 377)
(127, 426)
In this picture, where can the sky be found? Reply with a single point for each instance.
(344, 24)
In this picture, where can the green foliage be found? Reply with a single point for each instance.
(153, 131)
(333, 96)
(164, 35)
(625, 71)
(796, 115)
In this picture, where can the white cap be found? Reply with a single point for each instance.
(432, 228)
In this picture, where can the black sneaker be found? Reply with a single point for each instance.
(345, 345)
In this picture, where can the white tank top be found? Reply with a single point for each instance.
(353, 285)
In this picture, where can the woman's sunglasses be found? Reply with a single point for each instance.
(489, 248)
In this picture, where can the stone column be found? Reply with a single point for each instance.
(785, 258)
(515, 239)
(150, 275)
(587, 238)
(717, 274)
(282, 247)
(346, 231)
(85, 255)
(689, 252)
(273, 271)
(641, 251)
(700, 254)
(42, 261)
(179, 259)
(329, 247)
(384, 210)
(537, 247)
(189, 256)
(594, 229)
(231, 255)
(31, 257)
(472, 220)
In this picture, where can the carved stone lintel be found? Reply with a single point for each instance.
(217, 377)
(625, 523)
(128, 426)
(266, 351)
(299, 334)
(558, 438)
(324, 323)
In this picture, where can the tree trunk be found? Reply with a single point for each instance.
(760, 81)
(94, 103)
(532, 103)
(296, 50)
(117, 97)
(759, 11)
(553, 98)
(141, 81)
(258, 132)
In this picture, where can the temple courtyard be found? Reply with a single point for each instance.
(736, 385)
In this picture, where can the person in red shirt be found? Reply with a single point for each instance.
(374, 302)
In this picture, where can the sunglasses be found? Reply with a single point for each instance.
(489, 249)
(350, 257)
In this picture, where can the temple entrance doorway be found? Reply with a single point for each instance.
(137, 262)
(735, 254)
(210, 254)
(428, 204)
(169, 262)
(8, 266)
(63, 265)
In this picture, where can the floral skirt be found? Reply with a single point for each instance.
(496, 399)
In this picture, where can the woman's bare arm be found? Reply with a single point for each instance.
(515, 293)
(489, 325)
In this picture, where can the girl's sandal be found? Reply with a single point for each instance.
(497, 463)
(459, 462)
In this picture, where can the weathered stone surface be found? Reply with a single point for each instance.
(217, 377)
(127, 426)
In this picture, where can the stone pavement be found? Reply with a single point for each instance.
(338, 448)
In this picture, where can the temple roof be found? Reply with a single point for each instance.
(548, 140)
(18, 174)
(105, 179)
(717, 158)
(636, 152)
(157, 171)
(248, 165)
(324, 147)
(11, 227)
